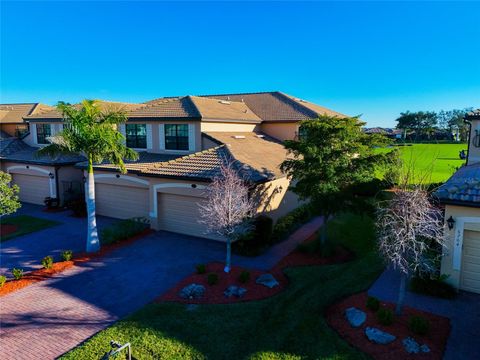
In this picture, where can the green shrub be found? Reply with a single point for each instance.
(373, 303)
(385, 316)
(3, 280)
(419, 325)
(292, 221)
(122, 230)
(17, 273)
(67, 255)
(212, 278)
(244, 277)
(256, 241)
(201, 268)
(325, 250)
(436, 287)
(47, 262)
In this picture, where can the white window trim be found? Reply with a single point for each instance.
(161, 136)
(149, 137)
(33, 131)
(191, 137)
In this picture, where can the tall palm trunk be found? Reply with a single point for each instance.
(228, 260)
(93, 242)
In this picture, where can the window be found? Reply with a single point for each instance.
(43, 131)
(136, 135)
(176, 137)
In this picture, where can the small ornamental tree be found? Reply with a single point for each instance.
(228, 207)
(410, 235)
(9, 202)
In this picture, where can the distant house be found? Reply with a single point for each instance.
(181, 142)
(461, 197)
(11, 117)
(389, 132)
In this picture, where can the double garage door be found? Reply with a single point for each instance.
(470, 273)
(33, 189)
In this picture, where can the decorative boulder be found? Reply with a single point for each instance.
(233, 290)
(192, 291)
(267, 280)
(411, 346)
(355, 317)
(378, 336)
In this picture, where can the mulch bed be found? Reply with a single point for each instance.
(58, 267)
(436, 339)
(7, 229)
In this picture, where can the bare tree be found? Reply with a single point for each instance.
(228, 208)
(410, 235)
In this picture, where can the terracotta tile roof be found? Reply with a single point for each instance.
(462, 187)
(14, 113)
(179, 107)
(224, 110)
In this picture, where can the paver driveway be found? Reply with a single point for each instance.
(26, 251)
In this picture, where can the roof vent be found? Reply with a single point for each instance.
(238, 136)
(224, 102)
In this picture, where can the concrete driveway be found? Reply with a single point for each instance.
(28, 250)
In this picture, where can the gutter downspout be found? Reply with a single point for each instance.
(469, 139)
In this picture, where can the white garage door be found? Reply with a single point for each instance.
(121, 202)
(33, 189)
(180, 214)
(470, 277)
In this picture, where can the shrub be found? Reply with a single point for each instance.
(201, 268)
(122, 230)
(433, 287)
(290, 222)
(212, 278)
(373, 303)
(316, 247)
(47, 262)
(256, 241)
(419, 325)
(244, 276)
(67, 255)
(385, 316)
(17, 273)
(3, 280)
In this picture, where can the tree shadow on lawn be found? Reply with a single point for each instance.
(288, 325)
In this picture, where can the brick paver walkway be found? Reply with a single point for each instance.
(46, 319)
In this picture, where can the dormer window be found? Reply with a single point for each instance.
(176, 136)
(43, 132)
(136, 135)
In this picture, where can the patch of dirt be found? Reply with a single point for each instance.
(436, 339)
(7, 229)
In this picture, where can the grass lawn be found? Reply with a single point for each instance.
(26, 224)
(433, 163)
(289, 325)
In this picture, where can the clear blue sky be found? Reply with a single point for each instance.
(375, 59)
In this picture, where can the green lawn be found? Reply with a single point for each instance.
(26, 224)
(289, 325)
(432, 163)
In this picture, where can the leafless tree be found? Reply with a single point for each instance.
(410, 235)
(228, 207)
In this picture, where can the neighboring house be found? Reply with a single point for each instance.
(181, 142)
(11, 117)
(389, 132)
(461, 196)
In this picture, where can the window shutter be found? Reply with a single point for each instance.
(149, 137)
(161, 136)
(33, 130)
(191, 137)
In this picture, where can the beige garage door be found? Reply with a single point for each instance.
(121, 202)
(180, 214)
(470, 277)
(33, 189)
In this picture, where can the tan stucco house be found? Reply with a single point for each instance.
(461, 197)
(181, 141)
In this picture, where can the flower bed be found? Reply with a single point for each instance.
(435, 339)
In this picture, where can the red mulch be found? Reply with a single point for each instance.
(43, 274)
(34, 276)
(214, 293)
(297, 258)
(436, 339)
(7, 229)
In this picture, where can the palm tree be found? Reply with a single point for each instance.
(91, 130)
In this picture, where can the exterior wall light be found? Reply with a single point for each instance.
(51, 176)
(117, 176)
(450, 223)
(194, 186)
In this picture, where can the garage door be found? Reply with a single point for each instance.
(33, 189)
(470, 277)
(180, 214)
(121, 202)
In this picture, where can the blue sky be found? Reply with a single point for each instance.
(375, 59)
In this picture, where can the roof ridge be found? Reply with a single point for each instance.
(291, 100)
(240, 93)
(189, 97)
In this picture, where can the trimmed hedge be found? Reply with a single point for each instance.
(291, 222)
(256, 241)
(123, 230)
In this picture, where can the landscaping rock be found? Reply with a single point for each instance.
(192, 291)
(233, 290)
(424, 348)
(411, 346)
(267, 280)
(378, 336)
(355, 317)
